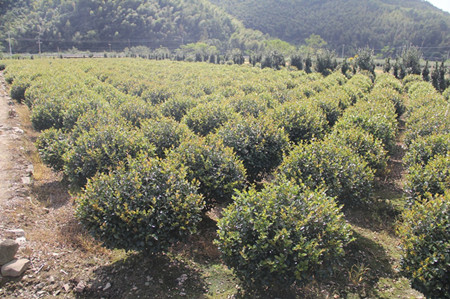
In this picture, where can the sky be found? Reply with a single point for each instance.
(442, 4)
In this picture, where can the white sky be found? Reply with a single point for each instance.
(442, 4)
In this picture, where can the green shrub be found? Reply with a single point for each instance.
(342, 172)
(432, 178)
(301, 120)
(48, 113)
(258, 142)
(331, 104)
(427, 120)
(386, 80)
(212, 164)
(2, 66)
(390, 94)
(146, 205)
(206, 117)
(136, 111)
(281, 235)
(156, 95)
(375, 117)
(425, 240)
(425, 148)
(251, 104)
(101, 148)
(164, 133)
(18, 89)
(177, 107)
(51, 145)
(364, 144)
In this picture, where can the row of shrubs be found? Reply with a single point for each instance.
(425, 226)
(152, 159)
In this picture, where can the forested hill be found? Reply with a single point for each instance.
(102, 25)
(348, 23)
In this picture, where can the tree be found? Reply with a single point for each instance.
(426, 72)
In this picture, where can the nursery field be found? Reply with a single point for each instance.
(174, 179)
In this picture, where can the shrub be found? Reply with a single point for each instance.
(18, 89)
(281, 235)
(425, 148)
(207, 117)
(48, 113)
(146, 205)
(136, 111)
(301, 120)
(258, 142)
(427, 120)
(375, 117)
(101, 148)
(51, 145)
(2, 66)
(343, 173)
(164, 134)
(213, 165)
(446, 94)
(425, 240)
(432, 178)
(380, 94)
(177, 107)
(364, 144)
(388, 81)
(251, 104)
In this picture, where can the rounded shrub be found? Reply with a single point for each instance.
(164, 133)
(364, 144)
(390, 94)
(425, 240)
(342, 172)
(386, 80)
(136, 111)
(281, 235)
(251, 104)
(206, 117)
(213, 165)
(301, 120)
(18, 89)
(377, 117)
(432, 178)
(146, 205)
(427, 120)
(257, 142)
(446, 94)
(422, 149)
(331, 105)
(101, 148)
(52, 144)
(177, 107)
(48, 113)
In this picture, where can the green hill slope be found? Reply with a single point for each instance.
(349, 24)
(100, 25)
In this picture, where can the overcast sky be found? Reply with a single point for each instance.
(442, 4)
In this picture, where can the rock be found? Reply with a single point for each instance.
(21, 240)
(80, 287)
(107, 286)
(30, 169)
(15, 268)
(17, 130)
(8, 250)
(66, 287)
(26, 180)
(16, 232)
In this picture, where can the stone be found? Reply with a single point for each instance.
(107, 286)
(8, 250)
(21, 240)
(16, 232)
(26, 180)
(15, 268)
(80, 287)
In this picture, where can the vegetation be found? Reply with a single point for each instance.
(120, 132)
(425, 235)
(281, 235)
(387, 25)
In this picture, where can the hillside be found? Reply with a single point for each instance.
(349, 23)
(99, 25)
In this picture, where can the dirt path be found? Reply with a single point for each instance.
(14, 178)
